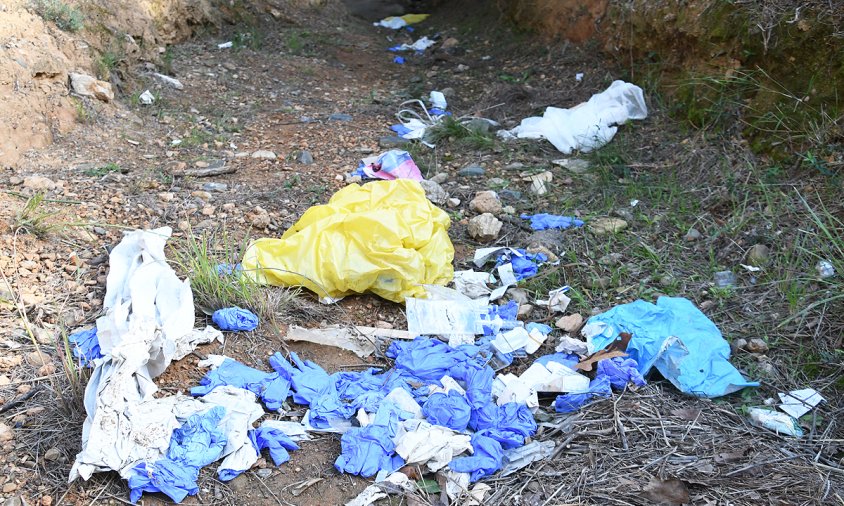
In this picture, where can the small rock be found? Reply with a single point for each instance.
(201, 164)
(37, 358)
(602, 226)
(6, 433)
(570, 323)
(381, 324)
(264, 154)
(471, 170)
(52, 454)
(392, 141)
(305, 158)
(87, 86)
(739, 344)
(340, 117)
(524, 311)
(15, 180)
(485, 202)
(611, 259)
(4, 380)
(519, 295)
(756, 345)
(440, 177)
(758, 255)
(201, 195)
(208, 211)
(434, 192)
(508, 210)
(461, 68)
(39, 183)
(259, 218)
(452, 202)
(264, 473)
(449, 43)
(767, 369)
(514, 166)
(484, 227)
(13, 501)
(229, 206)
(350, 179)
(46, 500)
(9, 487)
(183, 225)
(692, 235)
(510, 195)
(47, 369)
(215, 187)
(166, 196)
(666, 280)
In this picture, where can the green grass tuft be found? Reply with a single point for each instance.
(65, 16)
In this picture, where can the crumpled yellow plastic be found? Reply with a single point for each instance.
(384, 237)
(412, 19)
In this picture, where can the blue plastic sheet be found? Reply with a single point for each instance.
(485, 460)
(620, 372)
(598, 387)
(235, 319)
(696, 362)
(367, 450)
(197, 443)
(450, 410)
(86, 346)
(274, 440)
(272, 388)
(544, 221)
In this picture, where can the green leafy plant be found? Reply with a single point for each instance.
(65, 16)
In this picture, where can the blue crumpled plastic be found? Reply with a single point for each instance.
(620, 371)
(399, 60)
(367, 450)
(568, 403)
(545, 329)
(544, 221)
(197, 443)
(697, 362)
(276, 441)
(228, 269)
(485, 460)
(86, 346)
(272, 388)
(235, 319)
(430, 359)
(450, 410)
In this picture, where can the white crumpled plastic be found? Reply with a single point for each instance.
(586, 126)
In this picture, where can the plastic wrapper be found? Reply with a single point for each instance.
(235, 319)
(384, 237)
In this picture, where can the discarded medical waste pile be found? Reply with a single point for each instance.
(443, 405)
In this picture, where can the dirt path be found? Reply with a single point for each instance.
(329, 88)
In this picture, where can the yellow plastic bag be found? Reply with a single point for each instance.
(384, 237)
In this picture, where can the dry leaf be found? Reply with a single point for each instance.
(586, 363)
(670, 491)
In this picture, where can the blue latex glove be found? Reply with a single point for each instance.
(620, 371)
(235, 319)
(429, 360)
(545, 221)
(86, 346)
(275, 440)
(327, 406)
(174, 479)
(598, 387)
(308, 380)
(514, 422)
(367, 450)
(485, 461)
(198, 442)
(450, 410)
(272, 388)
(399, 60)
